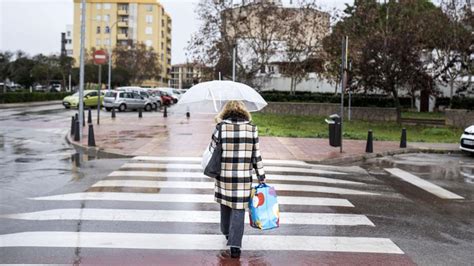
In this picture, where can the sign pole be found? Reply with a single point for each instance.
(98, 93)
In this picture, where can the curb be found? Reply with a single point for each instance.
(30, 104)
(99, 152)
(94, 151)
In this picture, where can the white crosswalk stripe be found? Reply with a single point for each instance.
(270, 177)
(153, 172)
(198, 242)
(269, 169)
(188, 198)
(184, 216)
(210, 185)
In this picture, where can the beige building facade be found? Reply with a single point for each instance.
(110, 23)
(184, 76)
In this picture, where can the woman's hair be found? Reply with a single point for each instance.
(234, 109)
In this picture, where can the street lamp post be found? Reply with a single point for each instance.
(110, 55)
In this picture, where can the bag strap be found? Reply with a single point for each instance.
(219, 138)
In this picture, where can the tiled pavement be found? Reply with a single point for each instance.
(154, 135)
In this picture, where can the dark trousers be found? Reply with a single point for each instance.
(232, 225)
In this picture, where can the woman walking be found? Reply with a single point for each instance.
(240, 155)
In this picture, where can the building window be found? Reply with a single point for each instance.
(148, 30)
(68, 33)
(98, 18)
(162, 57)
(107, 41)
(163, 23)
(97, 42)
(162, 46)
(149, 19)
(98, 29)
(148, 43)
(99, 6)
(106, 6)
(149, 8)
(162, 34)
(106, 18)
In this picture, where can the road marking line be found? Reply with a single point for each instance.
(197, 242)
(184, 216)
(210, 185)
(423, 184)
(278, 169)
(190, 198)
(197, 160)
(270, 177)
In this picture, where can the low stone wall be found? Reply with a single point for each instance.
(459, 117)
(326, 109)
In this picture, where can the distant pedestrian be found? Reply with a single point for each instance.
(240, 155)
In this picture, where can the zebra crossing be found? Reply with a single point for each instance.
(178, 180)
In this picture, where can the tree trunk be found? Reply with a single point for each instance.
(451, 88)
(398, 107)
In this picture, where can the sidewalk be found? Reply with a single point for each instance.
(154, 135)
(28, 104)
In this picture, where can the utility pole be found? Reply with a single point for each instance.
(81, 68)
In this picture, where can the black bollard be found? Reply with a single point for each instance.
(165, 112)
(403, 140)
(91, 138)
(188, 115)
(83, 119)
(89, 117)
(140, 115)
(369, 148)
(73, 123)
(76, 131)
(113, 112)
(77, 117)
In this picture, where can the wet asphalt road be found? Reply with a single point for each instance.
(36, 161)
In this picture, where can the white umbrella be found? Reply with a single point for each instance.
(209, 97)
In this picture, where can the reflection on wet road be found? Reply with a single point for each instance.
(34, 156)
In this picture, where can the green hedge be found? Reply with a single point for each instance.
(462, 103)
(356, 100)
(22, 97)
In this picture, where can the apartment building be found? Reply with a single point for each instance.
(68, 35)
(110, 23)
(184, 76)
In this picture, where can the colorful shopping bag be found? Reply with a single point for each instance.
(263, 208)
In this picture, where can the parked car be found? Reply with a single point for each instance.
(90, 99)
(144, 92)
(467, 140)
(126, 100)
(171, 93)
(165, 98)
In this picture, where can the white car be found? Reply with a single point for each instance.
(467, 140)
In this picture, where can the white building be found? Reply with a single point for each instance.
(68, 40)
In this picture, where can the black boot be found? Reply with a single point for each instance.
(227, 237)
(234, 252)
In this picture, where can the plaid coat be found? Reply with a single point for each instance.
(240, 155)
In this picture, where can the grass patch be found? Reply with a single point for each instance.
(315, 127)
(422, 115)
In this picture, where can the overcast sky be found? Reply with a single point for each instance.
(35, 26)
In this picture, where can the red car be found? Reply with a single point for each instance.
(165, 98)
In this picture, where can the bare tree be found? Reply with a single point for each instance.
(140, 62)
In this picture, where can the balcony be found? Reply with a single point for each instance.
(122, 37)
(122, 24)
(123, 12)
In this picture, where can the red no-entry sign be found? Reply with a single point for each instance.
(100, 57)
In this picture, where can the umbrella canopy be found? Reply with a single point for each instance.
(209, 97)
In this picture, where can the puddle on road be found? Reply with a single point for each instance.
(459, 168)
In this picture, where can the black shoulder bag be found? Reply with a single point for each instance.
(213, 168)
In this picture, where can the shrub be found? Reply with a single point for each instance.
(462, 103)
(21, 97)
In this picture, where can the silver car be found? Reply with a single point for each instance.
(123, 100)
